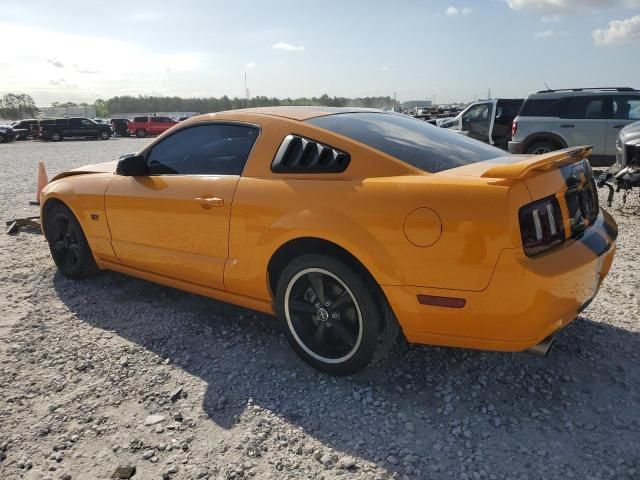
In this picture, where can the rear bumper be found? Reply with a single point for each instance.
(515, 147)
(527, 299)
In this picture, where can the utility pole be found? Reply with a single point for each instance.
(246, 91)
(394, 101)
(489, 94)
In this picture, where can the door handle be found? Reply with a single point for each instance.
(208, 202)
(567, 126)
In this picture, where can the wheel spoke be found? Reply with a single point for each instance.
(315, 279)
(301, 307)
(344, 333)
(319, 339)
(342, 301)
(59, 246)
(63, 225)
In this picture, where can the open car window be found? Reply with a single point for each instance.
(214, 149)
(412, 141)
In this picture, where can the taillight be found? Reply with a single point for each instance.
(514, 129)
(541, 226)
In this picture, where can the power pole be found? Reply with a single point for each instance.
(246, 91)
(394, 101)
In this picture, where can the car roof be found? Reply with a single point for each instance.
(586, 92)
(301, 112)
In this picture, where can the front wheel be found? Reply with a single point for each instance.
(105, 135)
(141, 133)
(67, 243)
(330, 315)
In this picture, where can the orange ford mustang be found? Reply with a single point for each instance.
(350, 225)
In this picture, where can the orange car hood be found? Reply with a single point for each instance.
(106, 167)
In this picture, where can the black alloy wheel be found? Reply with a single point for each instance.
(67, 243)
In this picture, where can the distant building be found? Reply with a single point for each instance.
(66, 112)
(416, 103)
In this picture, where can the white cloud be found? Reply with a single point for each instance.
(121, 67)
(250, 65)
(55, 63)
(453, 11)
(544, 34)
(618, 31)
(550, 34)
(385, 69)
(555, 7)
(287, 47)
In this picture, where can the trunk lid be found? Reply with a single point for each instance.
(564, 174)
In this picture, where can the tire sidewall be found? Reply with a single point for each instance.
(86, 264)
(105, 135)
(141, 133)
(369, 310)
(543, 144)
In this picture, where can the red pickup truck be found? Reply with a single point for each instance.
(143, 126)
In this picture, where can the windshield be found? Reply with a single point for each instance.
(415, 142)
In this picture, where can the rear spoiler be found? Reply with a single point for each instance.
(538, 163)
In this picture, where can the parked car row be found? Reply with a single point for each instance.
(553, 119)
(57, 129)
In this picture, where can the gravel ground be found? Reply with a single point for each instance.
(115, 371)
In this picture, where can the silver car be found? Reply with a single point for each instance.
(555, 119)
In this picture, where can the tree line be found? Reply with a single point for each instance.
(131, 104)
(15, 106)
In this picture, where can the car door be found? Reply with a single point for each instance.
(478, 121)
(155, 125)
(583, 122)
(624, 110)
(89, 128)
(175, 221)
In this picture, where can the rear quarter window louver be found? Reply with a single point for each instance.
(302, 155)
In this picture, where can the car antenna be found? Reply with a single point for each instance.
(545, 84)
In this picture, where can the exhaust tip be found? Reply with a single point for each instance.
(543, 348)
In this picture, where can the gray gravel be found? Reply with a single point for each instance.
(115, 371)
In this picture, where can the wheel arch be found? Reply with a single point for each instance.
(302, 245)
(544, 137)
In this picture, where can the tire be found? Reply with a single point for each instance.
(3, 139)
(104, 135)
(141, 133)
(339, 340)
(56, 137)
(539, 148)
(68, 245)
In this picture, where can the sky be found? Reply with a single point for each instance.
(423, 49)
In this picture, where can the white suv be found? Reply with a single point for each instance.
(554, 119)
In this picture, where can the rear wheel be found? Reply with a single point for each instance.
(539, 148)
(56, 137)
(67, 243)
(330, 315)
(141, 133)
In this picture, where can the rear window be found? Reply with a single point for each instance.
(415, 142)
(541, 108)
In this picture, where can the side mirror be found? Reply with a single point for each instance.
(133, 166)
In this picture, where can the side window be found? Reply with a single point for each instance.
(478, 114)
(156, 120)
(540, 108)
(75, 123)
(140, 119)
(583, 108)
(626, 108)
(87, 123)
(214, 149)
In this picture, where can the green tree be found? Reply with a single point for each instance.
(102, 109)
